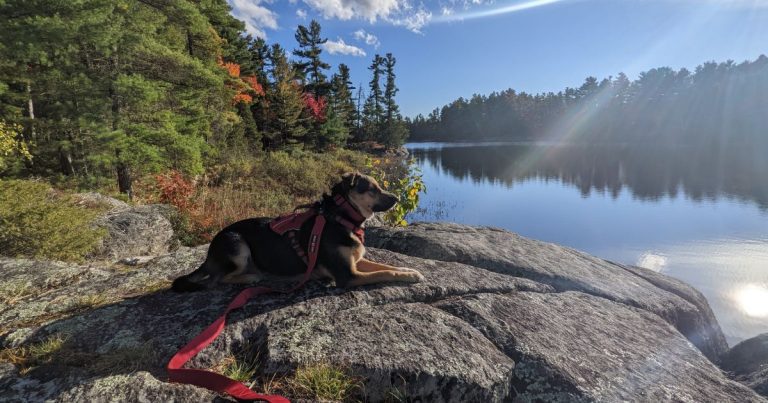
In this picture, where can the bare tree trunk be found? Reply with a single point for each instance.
(124, 182)
(189, 42)
(30, 111)
(65, 162)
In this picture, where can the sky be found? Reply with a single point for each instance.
(451, 48)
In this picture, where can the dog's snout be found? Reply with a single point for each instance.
(386, 201)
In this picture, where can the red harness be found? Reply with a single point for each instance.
(291, 224)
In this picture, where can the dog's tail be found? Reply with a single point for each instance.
(193, 281)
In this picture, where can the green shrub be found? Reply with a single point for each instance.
(405, 182)
(38, 222)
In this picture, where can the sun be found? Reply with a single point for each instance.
(753, 300)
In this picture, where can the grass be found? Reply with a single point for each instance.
(30, 356)
(93, 301)
(54, 351)
(12, 293)
(324, 381)
(318, 381)
(239, 370)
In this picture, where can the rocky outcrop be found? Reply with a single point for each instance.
(563, 268)
(134, 231)
(748, 363)
(498, 318)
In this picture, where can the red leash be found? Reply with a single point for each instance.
(220, 383)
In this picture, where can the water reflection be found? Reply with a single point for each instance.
(649, 173)
(700, 215)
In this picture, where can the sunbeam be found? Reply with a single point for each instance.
(519, 6)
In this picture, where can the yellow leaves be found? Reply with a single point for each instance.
(407, 188)
(11, 142)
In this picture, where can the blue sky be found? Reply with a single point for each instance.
(451, 48)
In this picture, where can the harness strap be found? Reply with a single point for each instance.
(220, 383)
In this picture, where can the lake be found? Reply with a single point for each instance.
(697, 214)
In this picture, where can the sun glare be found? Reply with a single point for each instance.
(753, 300)
(520, 6)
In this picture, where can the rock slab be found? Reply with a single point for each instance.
(498, 318)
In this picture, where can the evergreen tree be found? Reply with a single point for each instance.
(394, 131)
(286, 120)
(358, 134)
(310, 67)
(341, 101)
(127, 88)
(391, 110)
(373, 110)
(259, 58)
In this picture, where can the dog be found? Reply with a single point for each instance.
(248, 250)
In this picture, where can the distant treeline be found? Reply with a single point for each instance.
(648, 173)
(102, 88)
(723, 103)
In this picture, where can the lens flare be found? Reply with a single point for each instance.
(753, 300)
(525, 5)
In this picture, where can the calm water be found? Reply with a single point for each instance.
(698, 215)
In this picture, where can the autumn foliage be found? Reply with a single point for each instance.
(232, 68)
(246, 87)
(174, 189)
(315, 106)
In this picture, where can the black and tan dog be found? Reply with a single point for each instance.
(249, 249)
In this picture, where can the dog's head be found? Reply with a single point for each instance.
(364, 193)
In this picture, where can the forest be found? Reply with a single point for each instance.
(93, 91)
(716, 104)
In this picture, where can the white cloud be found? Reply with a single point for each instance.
(256, 17)
(370, 10)
(338, 47)
(301, 13)
(367, 37)
(414, 21)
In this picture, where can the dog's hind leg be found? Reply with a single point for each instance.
(245, 270)
(193, 281)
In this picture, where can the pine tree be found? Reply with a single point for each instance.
(342, 102)
(259, 58)
(391, 110)
(311, 67)
(286, 120)
(373, 110)
(394, 131)
(129, 87)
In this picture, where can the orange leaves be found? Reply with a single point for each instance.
(254, 84)
(233, 69)
(242, 98)
(246, 87)
(174, 189)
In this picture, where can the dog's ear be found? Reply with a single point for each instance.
(349, 181)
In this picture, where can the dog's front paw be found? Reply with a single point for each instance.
(413, 275)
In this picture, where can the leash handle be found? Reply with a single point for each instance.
(220, 383)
